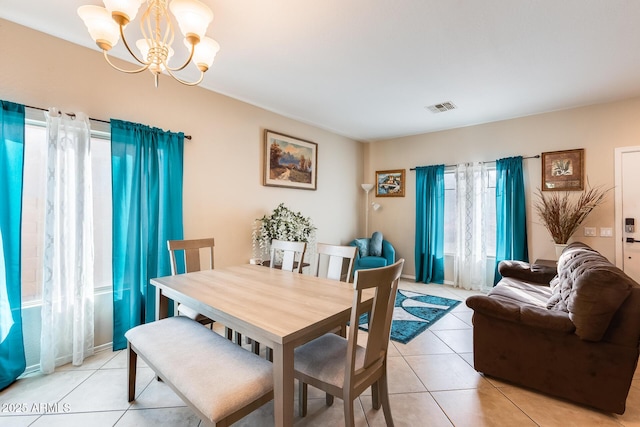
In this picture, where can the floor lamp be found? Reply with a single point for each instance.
(366, 188)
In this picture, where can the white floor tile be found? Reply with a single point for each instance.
(481, 407)
(401, 378)
(431, 382)
(106, 390)
(425, 343)
(548, 411)
(97, 361)
(17, 420)
(320, 415)
(445, 372)
(459, 340)
(183, 417)
(451, 321)
(39, 389)
(157, 395)
(93, 419)
(411, 409)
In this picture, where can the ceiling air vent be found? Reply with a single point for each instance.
(442, 107)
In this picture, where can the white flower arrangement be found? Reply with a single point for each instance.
(282, 224)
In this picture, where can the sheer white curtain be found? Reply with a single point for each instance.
(5, 309)
(67, 297)
(470, 267)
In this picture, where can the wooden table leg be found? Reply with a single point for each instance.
(283, 384)
(162, 305)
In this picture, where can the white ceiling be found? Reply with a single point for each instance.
(366, 69)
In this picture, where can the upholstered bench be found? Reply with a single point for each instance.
(219, 380)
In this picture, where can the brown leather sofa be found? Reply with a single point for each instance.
(574, 335)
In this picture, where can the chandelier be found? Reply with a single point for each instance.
(106, 26)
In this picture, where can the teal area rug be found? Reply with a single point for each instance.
(414, 312)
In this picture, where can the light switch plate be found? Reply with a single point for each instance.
(606, 232)
(590, 231)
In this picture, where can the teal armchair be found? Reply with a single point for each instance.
(364, 260)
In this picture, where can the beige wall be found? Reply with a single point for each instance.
(598, 129)
(223, 193)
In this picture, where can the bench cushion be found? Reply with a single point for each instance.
(217, 376)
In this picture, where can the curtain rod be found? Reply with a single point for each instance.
(537, 156)
(73, 115)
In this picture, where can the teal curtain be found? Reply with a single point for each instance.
(511, 213)
(147, 166)
(12, 360)
(429, 250)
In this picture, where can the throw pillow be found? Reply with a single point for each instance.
(375, 245)
(363, 247)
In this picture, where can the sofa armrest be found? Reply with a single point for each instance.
(533, 273)
(493, 307)
(535, 317)
(543, 318)
(388, 252)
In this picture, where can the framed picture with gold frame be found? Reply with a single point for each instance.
(390, 183)
(563, 170)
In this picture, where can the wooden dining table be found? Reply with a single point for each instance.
(279, 309)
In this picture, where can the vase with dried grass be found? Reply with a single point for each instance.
(562, 212)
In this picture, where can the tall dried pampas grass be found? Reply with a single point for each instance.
(562, 212)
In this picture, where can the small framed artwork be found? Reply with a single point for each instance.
(563, 170)
(390, 183)
(289, 162)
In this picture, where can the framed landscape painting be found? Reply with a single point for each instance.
(563, 170)
(390, 183)
(290, 162)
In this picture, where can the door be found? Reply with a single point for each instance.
(627, 207)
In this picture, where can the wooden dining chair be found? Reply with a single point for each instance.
(191, 250)
(341, 367)
(330, 261)
(289, 252)
(330, 264)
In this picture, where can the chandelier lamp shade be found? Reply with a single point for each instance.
(106, 26)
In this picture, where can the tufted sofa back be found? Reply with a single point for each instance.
(592, 290)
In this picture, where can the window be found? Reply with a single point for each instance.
(33, 209)
(450, 211)
(451, 215)
(490, 204)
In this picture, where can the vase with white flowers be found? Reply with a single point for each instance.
(562, 212)
(281, 224)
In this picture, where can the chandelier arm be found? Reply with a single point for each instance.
(193, 48)
(185, 82)
(138, 70)
(124, 40)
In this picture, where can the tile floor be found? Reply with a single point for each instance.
(431, 380)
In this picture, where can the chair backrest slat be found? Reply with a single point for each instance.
(191, 249)
(289, 250)
(335, 256)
